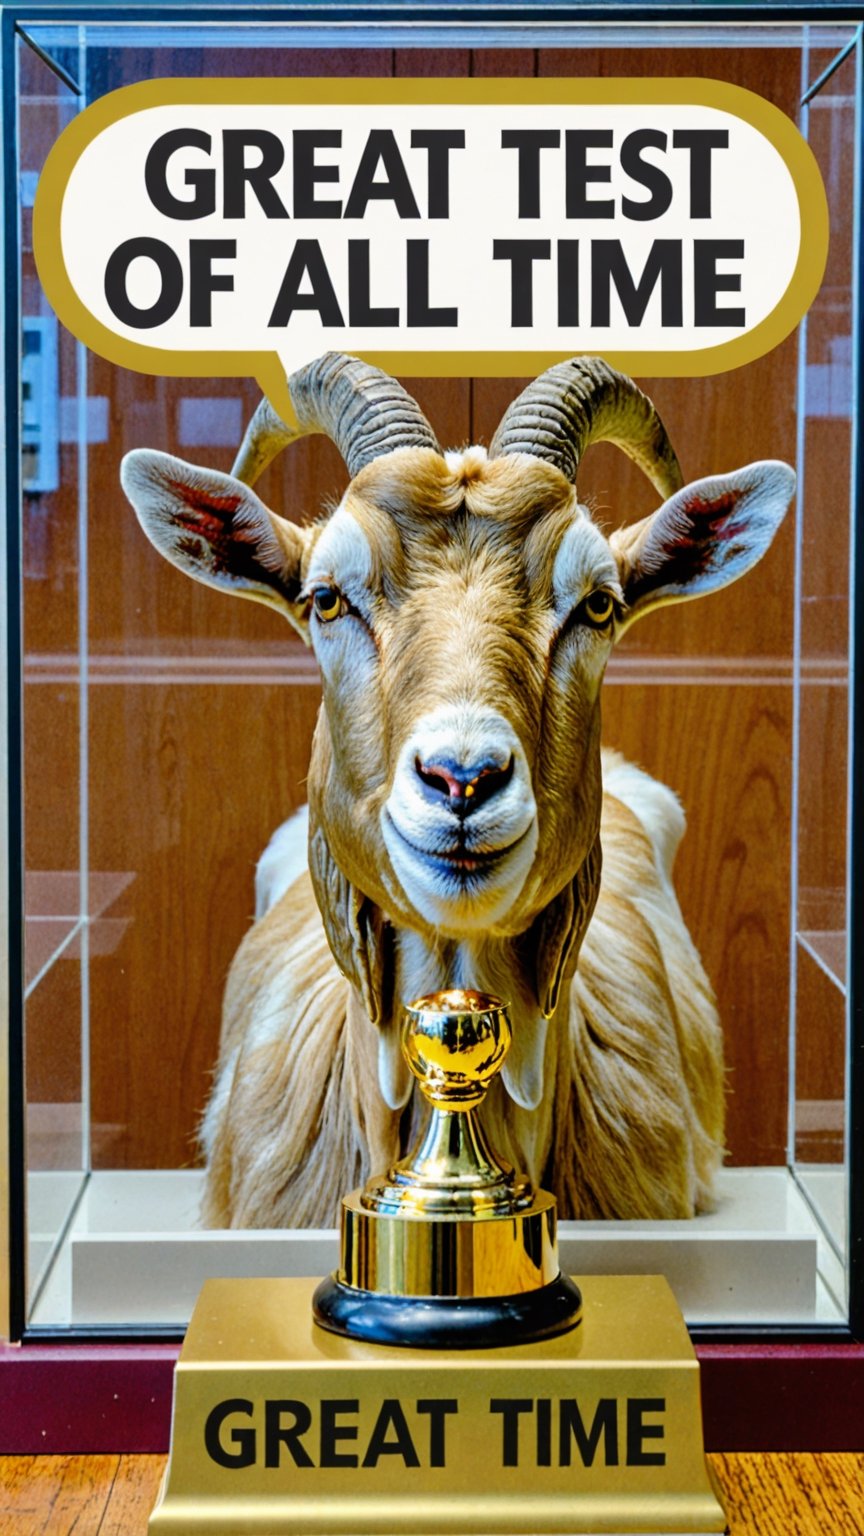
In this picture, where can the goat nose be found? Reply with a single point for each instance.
(462, 786)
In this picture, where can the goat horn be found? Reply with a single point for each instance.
(584, 401)
(364, 411)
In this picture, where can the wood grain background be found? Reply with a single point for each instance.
(201, 710)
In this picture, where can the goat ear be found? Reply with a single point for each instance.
(359, 936)
(705, 536)
(217, 530)
(560, 929)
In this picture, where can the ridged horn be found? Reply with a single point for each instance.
(364, 411)
(584, 401)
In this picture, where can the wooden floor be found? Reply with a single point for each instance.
(775, 1495)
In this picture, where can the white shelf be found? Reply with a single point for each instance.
(134, 1253)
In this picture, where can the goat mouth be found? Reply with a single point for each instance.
(460, 861)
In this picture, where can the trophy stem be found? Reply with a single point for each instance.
(450, 1246)
(451, 1169)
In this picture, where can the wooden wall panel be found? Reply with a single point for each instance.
(54, 1035)
(51, 803)
(820, 1063)
(53, 1077)
(825, 540)
(191, 781)
(820, 1044)
(725, 751)
(823, 804)
(439, 63)
(825, 552)
(49, 530)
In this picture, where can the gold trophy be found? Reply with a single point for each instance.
(451, 1248)
(494, 1415)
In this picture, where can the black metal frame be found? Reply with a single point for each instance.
(16, 17)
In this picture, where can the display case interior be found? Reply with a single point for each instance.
(167, 732)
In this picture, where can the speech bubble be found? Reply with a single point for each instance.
(432, 227)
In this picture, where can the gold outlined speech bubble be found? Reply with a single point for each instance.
(519, 245)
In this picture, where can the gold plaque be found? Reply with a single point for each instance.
(281, 1427)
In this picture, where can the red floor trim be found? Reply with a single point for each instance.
(80, 1399)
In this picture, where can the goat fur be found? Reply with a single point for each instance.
(632, 1120)
(457, 587)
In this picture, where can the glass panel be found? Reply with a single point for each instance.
(819, 956)
(189, 720)
(54, 946)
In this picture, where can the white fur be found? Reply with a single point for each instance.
(284, 858)
(583, 563)
(523, 1072)
(344, 647)
(414, 829)
(463, 462)
(342, 554)
(656, 806)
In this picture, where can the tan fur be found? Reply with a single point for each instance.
(466, 583)
(462, 830)
(304, 1084)
(633, 1122)
(630, 1123)
(438, 531)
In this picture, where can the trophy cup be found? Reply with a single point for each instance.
(437, 1381)
(451, 1248)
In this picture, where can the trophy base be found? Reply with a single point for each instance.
(447, 1322)
(506, 1256)
(281, 1428)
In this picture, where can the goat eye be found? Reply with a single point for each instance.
(329, 603)
(598, 608)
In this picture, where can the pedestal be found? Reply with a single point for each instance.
(282, 1427)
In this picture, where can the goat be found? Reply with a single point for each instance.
(462, 607)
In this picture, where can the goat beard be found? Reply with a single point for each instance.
(389, 964)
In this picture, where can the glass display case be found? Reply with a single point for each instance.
(163, 733)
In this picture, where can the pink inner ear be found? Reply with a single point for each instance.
(713, 511)
(230, 550)
(687, 547)
(711, 520)
(209, 514)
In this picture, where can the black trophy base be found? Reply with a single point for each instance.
(447, 1322)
